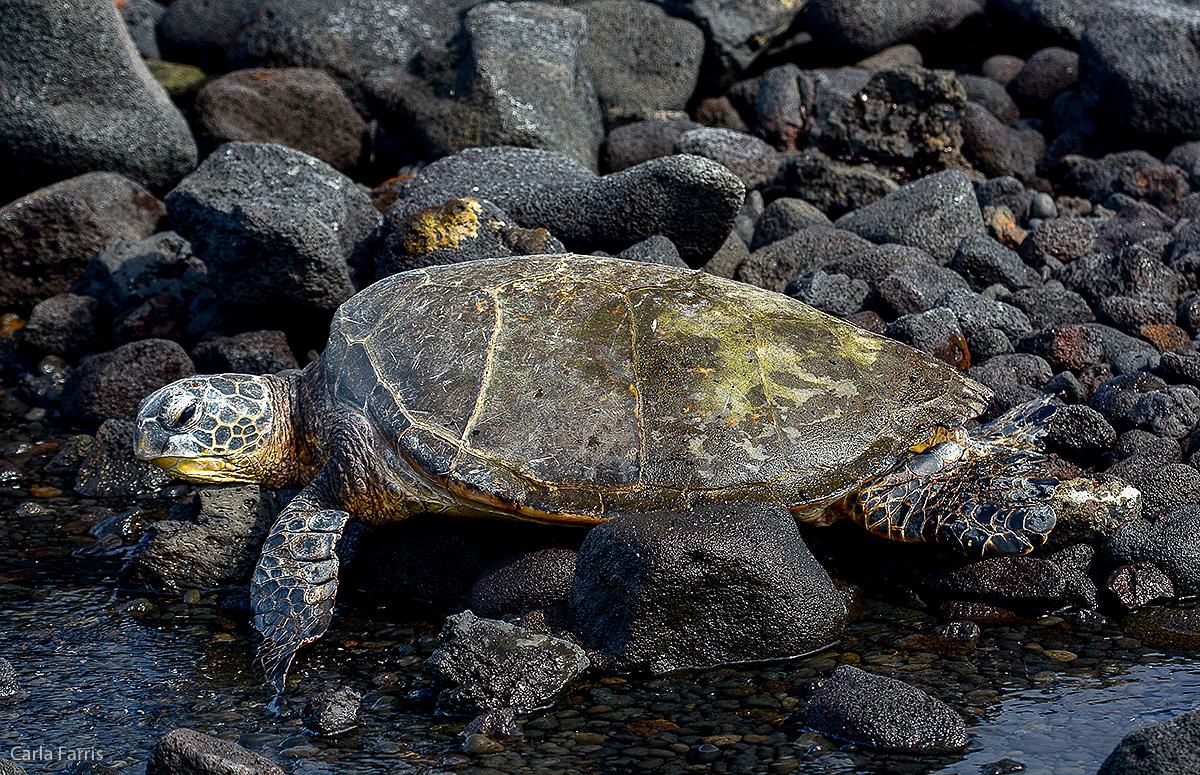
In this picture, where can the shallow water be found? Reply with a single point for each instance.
(109, 672)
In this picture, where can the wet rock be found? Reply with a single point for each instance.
(982, 614)
(47, 238)
(1152, 82)
(1124, 352)
(1087, 511)
(185, 751)
(10, 688)
(1170, 748)
(1079, 432)
(523, 582)
(1172, 543)
(79, 99)
(346, 38)
(1050, 305)
(782, 218)
(689, 200)
(296, 107)
(126, 273)
(834, 187)
(934, 331)
(653, 250)
(639, 59)
(1140, 400)
(111, 384)
(991, 95)
(905, 118)
(492, 726)
(959, 637)
(1077, 562)
(933, 214)
(1063, 239)
(984, 262)
(710, 586)
(275, 228)
(1011, 582)
(1046, 74)
(754, 161)
(485, 664)
(835, 294)
(1067, 387)
(1176, 484)
(67, 325)
(916, 287)
(774, 265)
(211, 542)
(882, 713)
(1142, 454)
(1069, 346)
(516, 76)
(1172, 628)
(251, 352)
(458, 230)
(1180, 367)
(109, 468)
(333, 711)
(631, 144)
(1134, 586)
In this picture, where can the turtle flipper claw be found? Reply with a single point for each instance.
(294, 586)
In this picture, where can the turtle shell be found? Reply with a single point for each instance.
(571, 388)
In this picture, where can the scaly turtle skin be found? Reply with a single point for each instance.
(569, 389)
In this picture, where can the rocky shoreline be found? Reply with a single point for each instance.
(1012, 187)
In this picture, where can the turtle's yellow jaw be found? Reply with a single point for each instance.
(220, 428)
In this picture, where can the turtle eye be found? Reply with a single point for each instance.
(179, 411)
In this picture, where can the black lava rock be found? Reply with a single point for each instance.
(991, 95)
(754, 161)
(1009, 582)
(860, 29)
(1046, 74)
(1141, 400)
(933, 213)
(523, 582)
(251, 352)
(188, 752)
(1050, 305)
(883, 713)
(126, 273)
(689, 200)
(515, 76)
(639, 59)
(214, 541)
(774, 265)
(47, 238)
(934, 331)
(639, 141)
(834, 187)
(1170, 748)
(111, 384)
(984, 262)
(67, 325)
(333, 711)
(915, 287)
(275, 227)
(1079, 432)
(79, 99)
(782, 218)
(836, 294)
(1134, 586)
(1172, 543)
(704, 587)
(297, 107)
(485, 664)
(110, 469)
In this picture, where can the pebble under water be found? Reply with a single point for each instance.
(109, 671)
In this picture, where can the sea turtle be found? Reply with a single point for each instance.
(569, 389)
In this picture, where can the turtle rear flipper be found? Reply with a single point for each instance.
(295, 582)
(981, 498)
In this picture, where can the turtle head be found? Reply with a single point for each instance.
(221, 428)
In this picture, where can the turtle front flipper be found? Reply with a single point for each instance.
(295, 582)
(989, 493)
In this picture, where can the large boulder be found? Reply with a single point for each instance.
(275, 227)
(112, 384)
(48, 237)
(518, 78)
(883, 713)
(640, 60)
(1145, 57)
(1170, 748)
(737, 31)
(862, 27)
(76, 97)
(690, 200)
(194, 753)
(728, 583)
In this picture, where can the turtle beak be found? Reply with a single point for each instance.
(150, 438)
